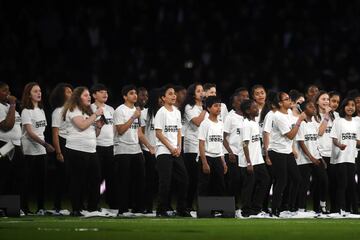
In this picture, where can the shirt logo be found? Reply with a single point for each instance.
(328, 129)
(238, 131)
(40, 124)
(255, 138)
(215, 138)
(311, 137)
(134, 125)
(170, 128)
(348, 136)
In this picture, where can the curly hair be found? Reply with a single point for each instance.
(75, 101)
(57, 95)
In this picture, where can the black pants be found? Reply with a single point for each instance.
(61, 176)
(130, 173)
(151, 180)
(358, 175)
(267, 195)
(212, 184)
(232, 178)
(284, 167)
(84, 175)
(192, 168)
(305, 171)
(332, 184)
(254, 189)
(37, 177)
(346, 187)
(106, 159)
(171, 168)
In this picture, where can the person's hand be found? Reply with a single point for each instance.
(11, 99)
(232, 157)
(49, 148)
(328, 109)
(206, 168)
(173, 151)
(152, 150)
(250, 168)
(342, 147)
(99, 111)
(137, 113)
(99, 124)
(296, 155)
(315, 161)
(60, 157)
(302, 116)
(268, 160)
(324, 163)
(225, 168)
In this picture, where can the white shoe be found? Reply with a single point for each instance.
(22, 214)
(40, 212)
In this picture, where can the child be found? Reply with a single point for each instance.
(212, 164)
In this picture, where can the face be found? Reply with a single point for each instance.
(68, 93)
(215, 109)
(334, 102)
(254, 110)
(236, 102)
(350, 108)
(357, 102)
(131, 96)
(310, 109)
(101, 96)
(210, 92)
(199, 92)
(285, 101)
(300, 100)
(180, 96)
(35, 93)
(312, 91)
(4, 93)
(85, 98)
(243, 95)
(143, 97)
(323, 101)
(260, 96)
(170, 97)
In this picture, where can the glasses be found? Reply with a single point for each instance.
(285, 99)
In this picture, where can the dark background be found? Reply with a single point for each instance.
(281, 44)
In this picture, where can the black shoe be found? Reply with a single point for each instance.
(162, 214)
(183, 214)
(77, 214)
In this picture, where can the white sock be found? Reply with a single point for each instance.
(322, 204)
(301, 210)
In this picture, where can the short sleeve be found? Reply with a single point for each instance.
(191, 112)
(159, 121)
(203, 129)
(75, 113)
(26, 117)
(300, 134)
(282, 123)
(335, 130)
(268, 121)
(143, 118)
(179, 124)
(227, 124)
(119, 117)
(246, 131)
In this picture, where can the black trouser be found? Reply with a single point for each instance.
(106, 159)
(321, 179)
(37, 177)
(283, 167)
(232, 178)
(61, 176)
(346, 188)
(212, 184)
(305, 171)
(267, 194)
(84, 175)
(14, 176)
(171, 168)
(150, 180)
(357, 161)
(254, 188)
(192, 168)
(332, 184)
(130, 172)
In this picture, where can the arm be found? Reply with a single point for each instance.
(197, 120)
(249, 167)
(145, 141)
(308, 154)
(266, 138)
(56, 143)
(226, 144)
(8, 123)
(291, 135)
(179, 138)
(122, 128)
(36, 138)
(338, 144)
(159, 134)
(205, 165)
(323, 125)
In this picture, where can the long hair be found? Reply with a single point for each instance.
(153, 104)
(75, 101)
(190, 97)
(26, 97)
(316, 99)
(57, 95)
(270, 104)
(246, 105)
(344, 103)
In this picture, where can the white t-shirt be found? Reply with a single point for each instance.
(251, 133)
(58, 122)
(346, 132)
(268, 122)
(308, 132)
(282, 124)
(170, 124)
(36, 118)
(77, 139)
(325, 141)
(191, 141)
(106, 136)
(14, 134)
(212, 133)
(128, 142)
(233, 125)
(149, 129)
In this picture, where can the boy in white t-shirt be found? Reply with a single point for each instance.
(170, 165)
(129, 160)
(105, 142)
(212, 165)
(253, 169)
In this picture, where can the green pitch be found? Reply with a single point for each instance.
(176, 228)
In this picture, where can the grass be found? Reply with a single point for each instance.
(176, 228)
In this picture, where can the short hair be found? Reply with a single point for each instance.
(165, 88)
(207, 86)
(98, 87)
(127, 88)
(295, 95)
(211, 100)
(141, 89)
(304, 104)
(245, 105)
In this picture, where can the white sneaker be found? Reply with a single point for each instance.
(22, 214)
(40, 212)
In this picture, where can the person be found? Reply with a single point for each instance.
(33, 143)
(193, 114)
(232, 136)
(253, 169)
(357, 118)
(280, 153)
(83, 127)
(258, 93)
(59, 95)
(147, 127)
(169, 162)
(180, 92)
(334, 100)
(345, 134)
(105, 143)
(311, 91)
(210, 90)
(12, 179)
(129, 160)
(143, 97)
(309, 159)
(325, 118)
(212, 165)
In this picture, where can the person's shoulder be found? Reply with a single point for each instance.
(109, 108)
